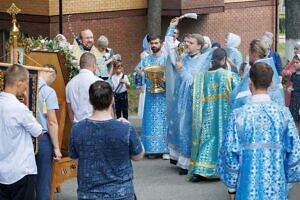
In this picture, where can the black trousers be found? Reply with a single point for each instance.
(24, 189)
(121, 104)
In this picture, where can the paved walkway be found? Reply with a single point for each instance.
(156, 179)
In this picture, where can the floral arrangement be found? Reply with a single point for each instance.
(55, 44)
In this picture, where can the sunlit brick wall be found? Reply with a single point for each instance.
(89, 6)
(51, 7)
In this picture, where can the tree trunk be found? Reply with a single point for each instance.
(154, 17)
(292, 16)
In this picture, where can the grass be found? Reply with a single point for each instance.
(133, 97)
(281, 51)
(133, 101)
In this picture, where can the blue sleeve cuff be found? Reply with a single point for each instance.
(170, 31)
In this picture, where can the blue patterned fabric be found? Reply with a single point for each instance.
(260, 151)
(139, 80)
(211, 108)
(180, 124)
(154, 124)
(104, 150)
(241, 94)
(277, 60)
(235, 56)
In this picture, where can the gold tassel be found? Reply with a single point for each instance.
(44, 108)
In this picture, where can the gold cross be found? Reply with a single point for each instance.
(13, 10)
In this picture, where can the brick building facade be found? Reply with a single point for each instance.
(125, 22)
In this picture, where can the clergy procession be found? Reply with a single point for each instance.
(212, 112)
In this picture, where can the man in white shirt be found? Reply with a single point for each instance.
(77, 90)
(17, 162)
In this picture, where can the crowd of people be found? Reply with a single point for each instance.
(217, 117)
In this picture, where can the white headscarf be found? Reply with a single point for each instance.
(233, 40)
(268, 38)
(207, 42)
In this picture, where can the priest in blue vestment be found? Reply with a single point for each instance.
(241, 94)
(260, 152)
(154, 124)
(211, 108)
(180, 111)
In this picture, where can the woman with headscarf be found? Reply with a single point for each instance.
(207, 44)
(257, 53)
(211, 108)
(268, 39)
(235, 58)
(287, 72)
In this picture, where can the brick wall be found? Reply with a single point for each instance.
(51, 7)
(249, 23)
(126, 29)
(88, 6)
(36, 7)
(125, 35)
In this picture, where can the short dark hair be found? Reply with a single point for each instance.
(261, 75)
(15, 73)
(117, 64)
(218, 55)
(87, 60)
(101, 95)
(50, 66)
(154, 37)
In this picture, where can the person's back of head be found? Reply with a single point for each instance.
(49, 76)
(219, 58)
(233, 40)
(100, 95)
(88, 61)
(268, 34)
(268, 41)
(258, 46)
(14, 74)
(102, 42)
(261, 75)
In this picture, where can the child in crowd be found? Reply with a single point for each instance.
(295, 92)
(120, 84)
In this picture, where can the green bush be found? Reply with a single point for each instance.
(282, 24)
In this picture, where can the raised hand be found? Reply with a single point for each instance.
(174, 22)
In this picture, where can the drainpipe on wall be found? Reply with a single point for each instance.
(276, 24)
(60, 17)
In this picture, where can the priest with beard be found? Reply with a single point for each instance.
(154, 124)
(85, 43)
